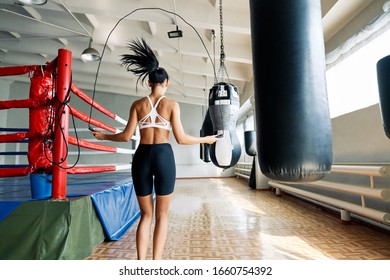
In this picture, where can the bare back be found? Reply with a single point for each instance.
(153, 135)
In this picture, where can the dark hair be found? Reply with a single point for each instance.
(143, 63)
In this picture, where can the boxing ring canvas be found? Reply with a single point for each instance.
(98, 207)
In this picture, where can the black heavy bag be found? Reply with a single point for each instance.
(207, 129)
(250, 149)
(383, 73)
(294, 134)
(250, 142)
(224, 104)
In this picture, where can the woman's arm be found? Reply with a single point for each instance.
(126, 134)
(178, 130)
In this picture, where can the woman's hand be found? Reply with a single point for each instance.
(211, 139)
(99, 135)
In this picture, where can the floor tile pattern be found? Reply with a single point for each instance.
(224, 219)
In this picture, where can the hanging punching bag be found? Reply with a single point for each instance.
(250, 149)
(224, 104)
(207, 129)
(383, 71)
(250, 142)
(294, 135)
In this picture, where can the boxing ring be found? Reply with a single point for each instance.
(50, 209)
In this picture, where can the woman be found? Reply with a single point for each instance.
(156, 116)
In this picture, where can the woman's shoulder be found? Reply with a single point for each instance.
(169, 101)
(171, 104)
(140, 101)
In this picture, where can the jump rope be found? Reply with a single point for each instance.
(112, 30)
(49, 137)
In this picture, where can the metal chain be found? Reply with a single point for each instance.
(213, 36)
(222, 72)
(221, 30)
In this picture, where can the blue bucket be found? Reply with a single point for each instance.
(41, 185)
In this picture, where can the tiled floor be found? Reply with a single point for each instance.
(225, 219)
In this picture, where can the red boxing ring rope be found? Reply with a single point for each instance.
(96, 105)
(48, 101)
(15, 137)
(17, 70)
(85, 118)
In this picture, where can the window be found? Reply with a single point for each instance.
(352, 83)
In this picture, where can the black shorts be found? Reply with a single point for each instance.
(154, 160)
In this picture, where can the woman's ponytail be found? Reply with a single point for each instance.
(143, 62)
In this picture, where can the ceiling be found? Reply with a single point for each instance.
(32, 35)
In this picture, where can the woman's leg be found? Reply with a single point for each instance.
(161, 224)
(164, 171)
(143, 230)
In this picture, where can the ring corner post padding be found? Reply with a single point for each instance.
(383, 72)
(294, 134)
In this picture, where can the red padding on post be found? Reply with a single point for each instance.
(40, 96)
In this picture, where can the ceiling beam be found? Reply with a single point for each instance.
(152, 28)
(341, 14)
(32, 12)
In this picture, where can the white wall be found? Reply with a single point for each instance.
(4, 95)
(13, 118)
(358, 137)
